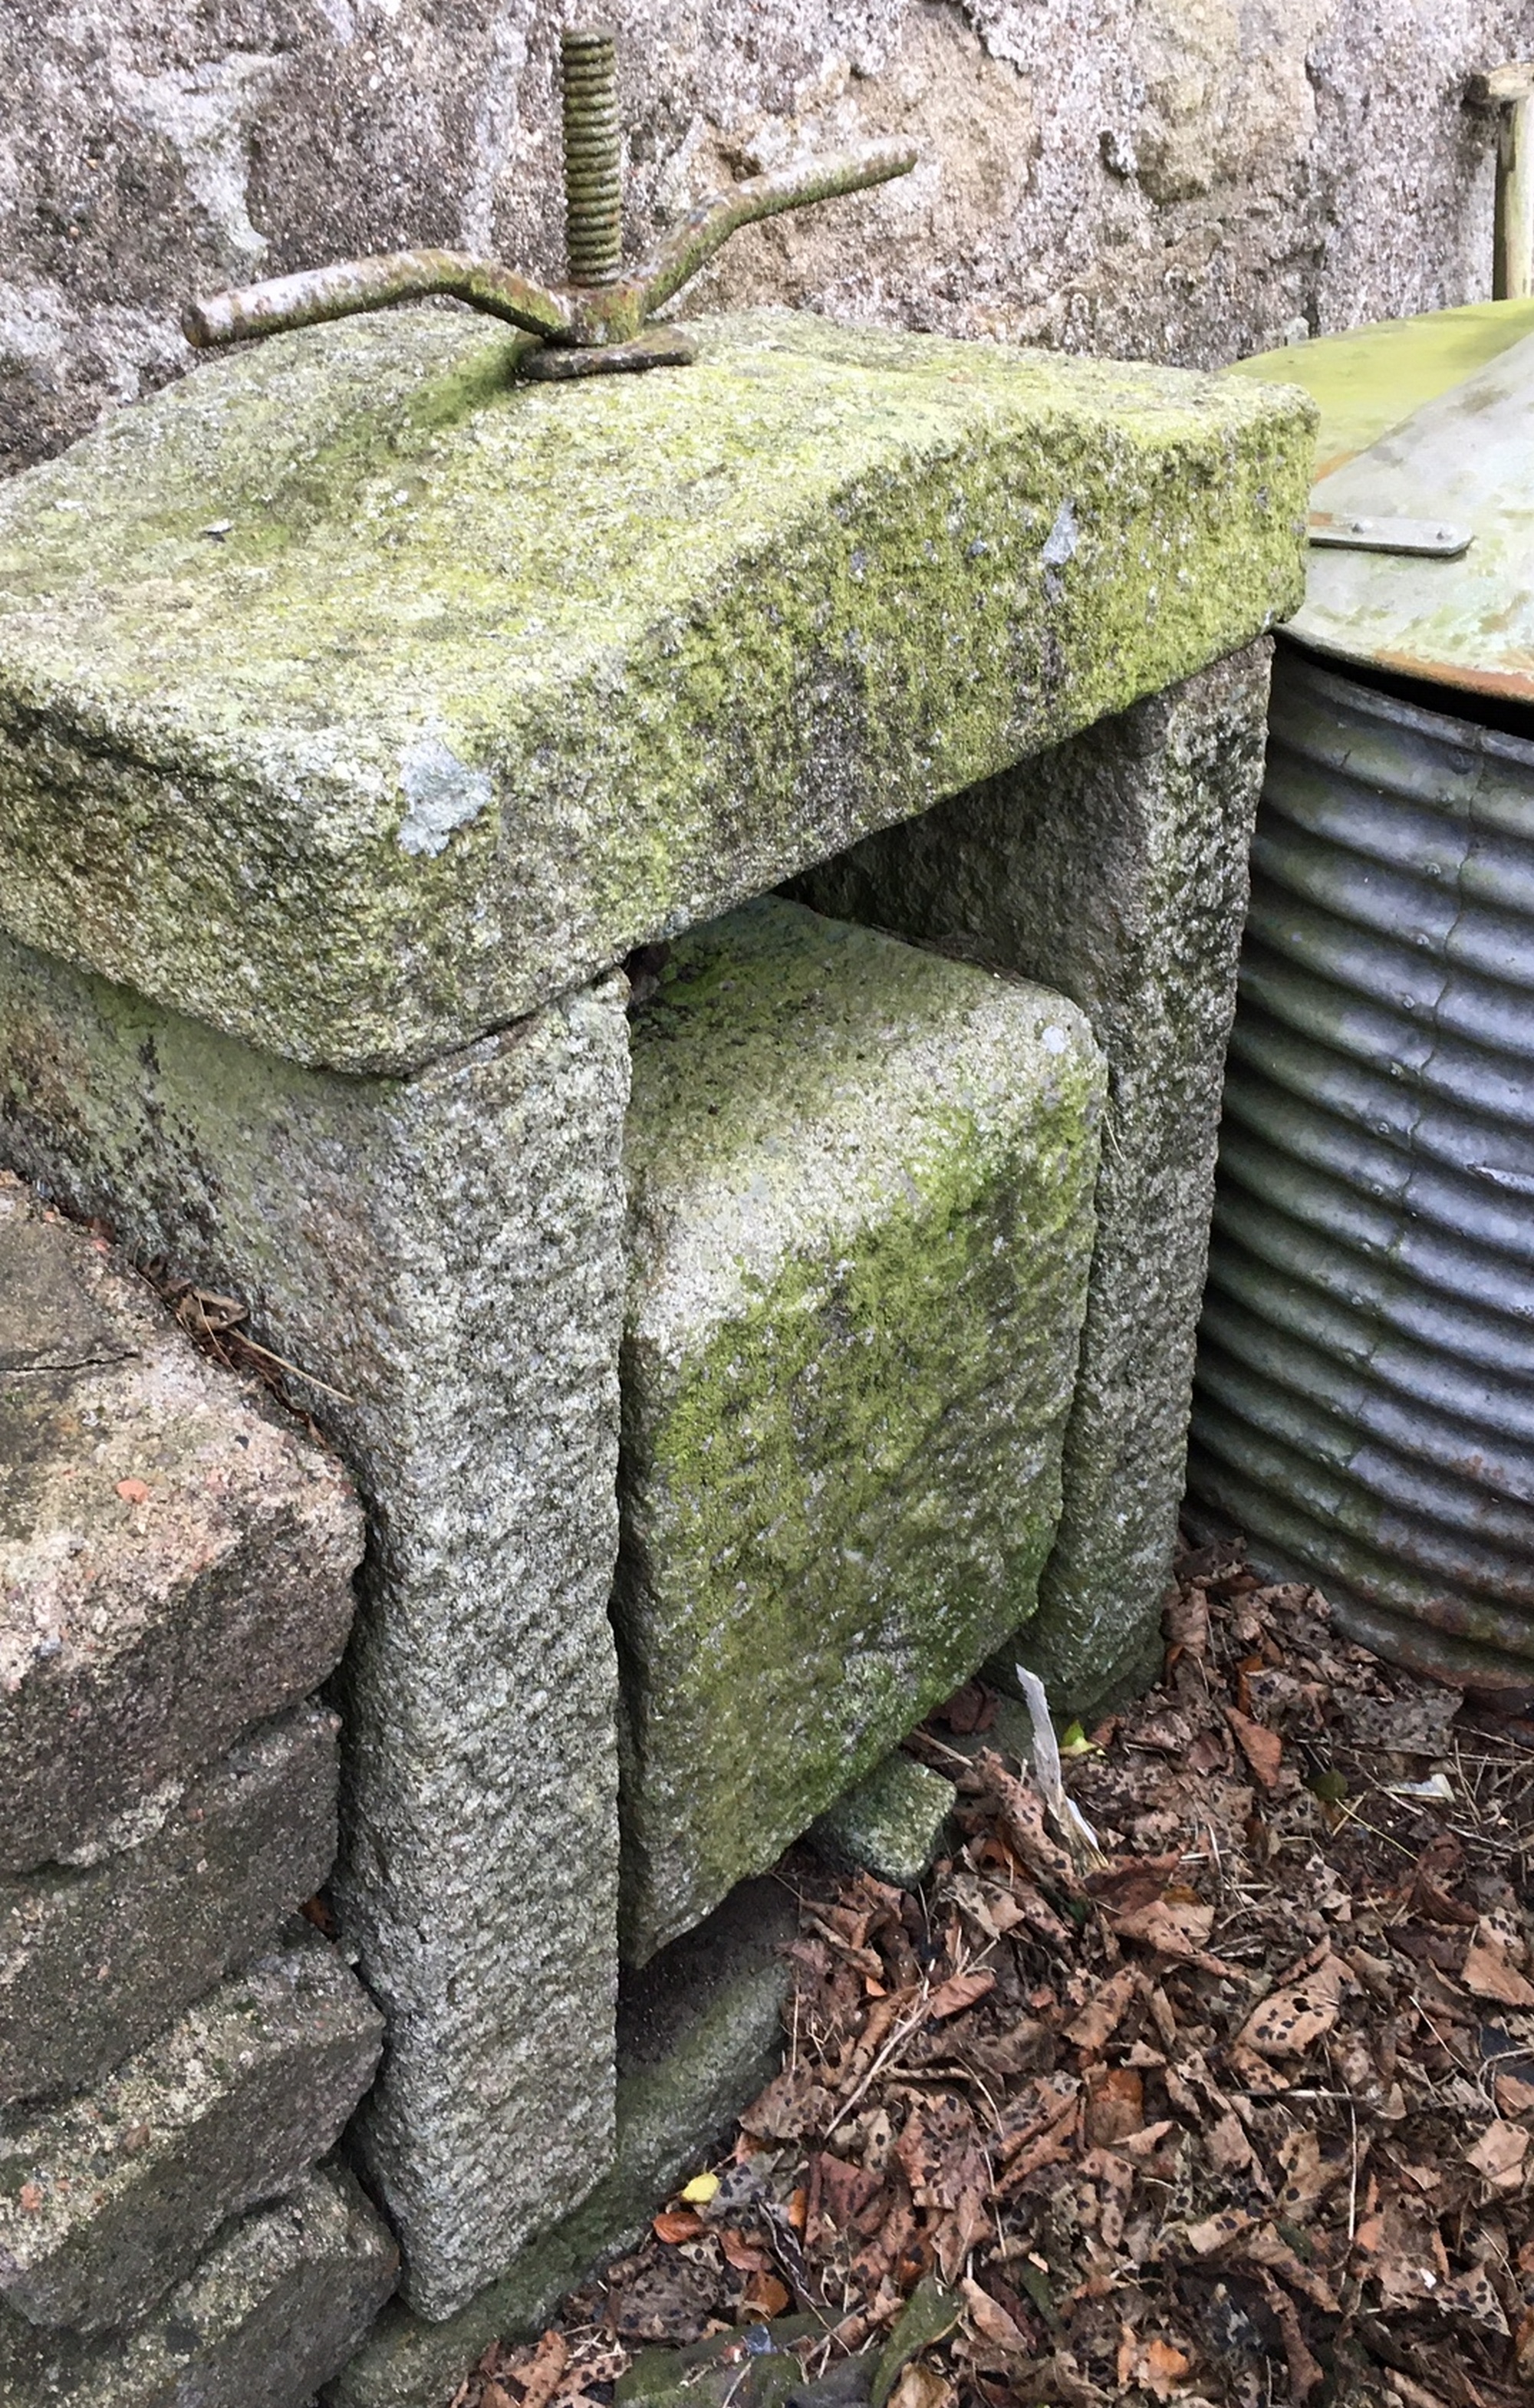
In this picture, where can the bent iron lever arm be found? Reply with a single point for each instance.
(588, 317)
(352, 284)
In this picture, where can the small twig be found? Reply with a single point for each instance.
(898, 2039)
(1349, 1814)
(297, 1369)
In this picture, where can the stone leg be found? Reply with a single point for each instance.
(1114, 867)
(444, 1251)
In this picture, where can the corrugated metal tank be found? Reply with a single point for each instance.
(1364, 1410)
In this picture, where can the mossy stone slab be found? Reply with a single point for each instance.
(860, 1227)
(356, 698)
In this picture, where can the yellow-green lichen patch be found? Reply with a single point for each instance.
(860, 1229)
(356, 697)
(1373, 377)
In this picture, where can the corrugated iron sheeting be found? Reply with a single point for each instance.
(1364, 1401)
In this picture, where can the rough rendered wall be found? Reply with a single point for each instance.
(1168, 179)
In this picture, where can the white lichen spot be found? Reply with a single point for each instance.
(1060, 544)
(206, 114)
(444, 793)
(1053, 1040)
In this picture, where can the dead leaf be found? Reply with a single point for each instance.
(1145, 2142)
(1116, 2104)
(675, 2224)
(1217, 2232)
(746, 2257)
(766, 2296)
(992, 2321)
(1226, 2146)
(1487, 1972)
(1262, 1748)
(921, 2387)
(1175, 1924)
(793, 2103)
(1306, 2177)
(1103, 2013)
(1185, 1622)
(541, 2379)
(959, 1991)
(1155, 2366)
(968, 1710)
(1305, 2373)
(1473, 2298)
(1498, 2156)
(1288, 2021)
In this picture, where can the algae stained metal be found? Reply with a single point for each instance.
(1366, 1385)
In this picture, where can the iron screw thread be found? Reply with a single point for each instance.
(594, 194)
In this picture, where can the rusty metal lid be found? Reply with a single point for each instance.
(1464, 619)
(1457, 461)
(1366, 382)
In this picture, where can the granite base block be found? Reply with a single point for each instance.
(1114, 868)
(445, 1251)
(700, 2033)
(860, 1229)
(891, 1824)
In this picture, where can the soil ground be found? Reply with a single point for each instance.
(1234, 2106)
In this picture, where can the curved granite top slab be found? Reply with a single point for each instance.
(356, 698)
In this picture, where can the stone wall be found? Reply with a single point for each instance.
(1183, 179)
(178, 2047)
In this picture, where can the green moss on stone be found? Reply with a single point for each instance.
(356, 698)
(891, 1822)
(861, 1182)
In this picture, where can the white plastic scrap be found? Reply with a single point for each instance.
(1074, 1827)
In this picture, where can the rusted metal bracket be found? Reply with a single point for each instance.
(1423, 539)
(595, 324)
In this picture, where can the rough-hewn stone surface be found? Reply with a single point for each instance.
(482, 685)
(860, 1225)
(447, 1252)
(1115, 869)
(175, 1558)
(1172, 178)
(280, 2300)
(109, 2200)
(699, 2032)
(98, 1954)
(891, 1822)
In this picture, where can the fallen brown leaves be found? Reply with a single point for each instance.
(1240, 2115)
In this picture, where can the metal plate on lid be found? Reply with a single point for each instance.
(1465, 458)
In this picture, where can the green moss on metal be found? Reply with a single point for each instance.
(650, 643)
(862, 1182)
(1373, 377)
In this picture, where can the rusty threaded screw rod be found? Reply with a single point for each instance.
(593, 192)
